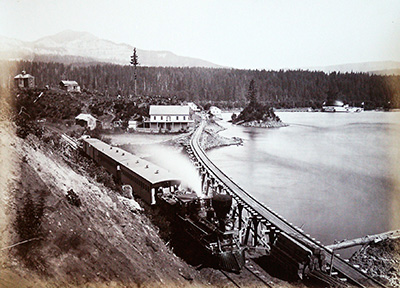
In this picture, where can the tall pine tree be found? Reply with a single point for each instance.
(134, 62)
(251, 93)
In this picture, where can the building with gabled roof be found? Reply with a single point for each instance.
(169, 118)
(193, 106)
(70, 86)
(24, 80)
(86, 120)
(216, 112)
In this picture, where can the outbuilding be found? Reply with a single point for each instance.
(70, 86)
(86, 120)
(24, 80)
(132, 125)
(193, 107)
(215, 111)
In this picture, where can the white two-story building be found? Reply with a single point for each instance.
(169, 118)
(216, 112)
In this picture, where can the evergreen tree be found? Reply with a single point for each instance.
(221, 87)
(134, 62)
(251, 94)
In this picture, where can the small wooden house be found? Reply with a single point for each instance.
(193, 107)
(216, 112)
(24, 80)
(86, 120)
(70, 86)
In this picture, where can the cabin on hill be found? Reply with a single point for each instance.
(169, 118)
(70, 86)
(86, 120)
(24, 80)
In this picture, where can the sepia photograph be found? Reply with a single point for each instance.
(188, 143)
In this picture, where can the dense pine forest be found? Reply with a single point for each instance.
(224, 87)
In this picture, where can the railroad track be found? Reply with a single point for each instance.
(262, 279)
(355, 275)
(250, 276)
(73, 143)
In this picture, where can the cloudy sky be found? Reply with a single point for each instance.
(255, 34)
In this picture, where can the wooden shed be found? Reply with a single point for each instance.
(24, 80)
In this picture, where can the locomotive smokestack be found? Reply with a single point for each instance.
(222, 203)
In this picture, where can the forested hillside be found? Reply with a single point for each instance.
(224, 87)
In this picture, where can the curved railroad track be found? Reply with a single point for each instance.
(355, 275)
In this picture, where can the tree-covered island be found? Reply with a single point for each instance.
(256, 114)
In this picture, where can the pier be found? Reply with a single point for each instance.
(261, 227)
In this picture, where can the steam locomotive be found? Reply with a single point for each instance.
(203, 219)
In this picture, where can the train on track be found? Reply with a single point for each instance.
(202, 218)
(298, 256)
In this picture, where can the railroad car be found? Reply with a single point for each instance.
(202, 219)
(298, 256)
(145, 177)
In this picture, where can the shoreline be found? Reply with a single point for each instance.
(210, 138)
(264, 124)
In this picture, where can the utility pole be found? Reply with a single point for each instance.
(134, 62)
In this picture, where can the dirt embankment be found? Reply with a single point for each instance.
(102, 242)
(210, 138)
(381, 261)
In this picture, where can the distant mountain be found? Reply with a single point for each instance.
(377, 67)
(72, 46)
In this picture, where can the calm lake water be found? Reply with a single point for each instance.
(336, 175)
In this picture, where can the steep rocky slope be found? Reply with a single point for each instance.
(104, 241)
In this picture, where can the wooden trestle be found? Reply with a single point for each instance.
(259, 226)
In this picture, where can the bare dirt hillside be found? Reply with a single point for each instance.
(101, 241)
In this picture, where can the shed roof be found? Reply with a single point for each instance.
(23, 76)
(68, 83)
(85, 117)
(169, 110)
(151, 172)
